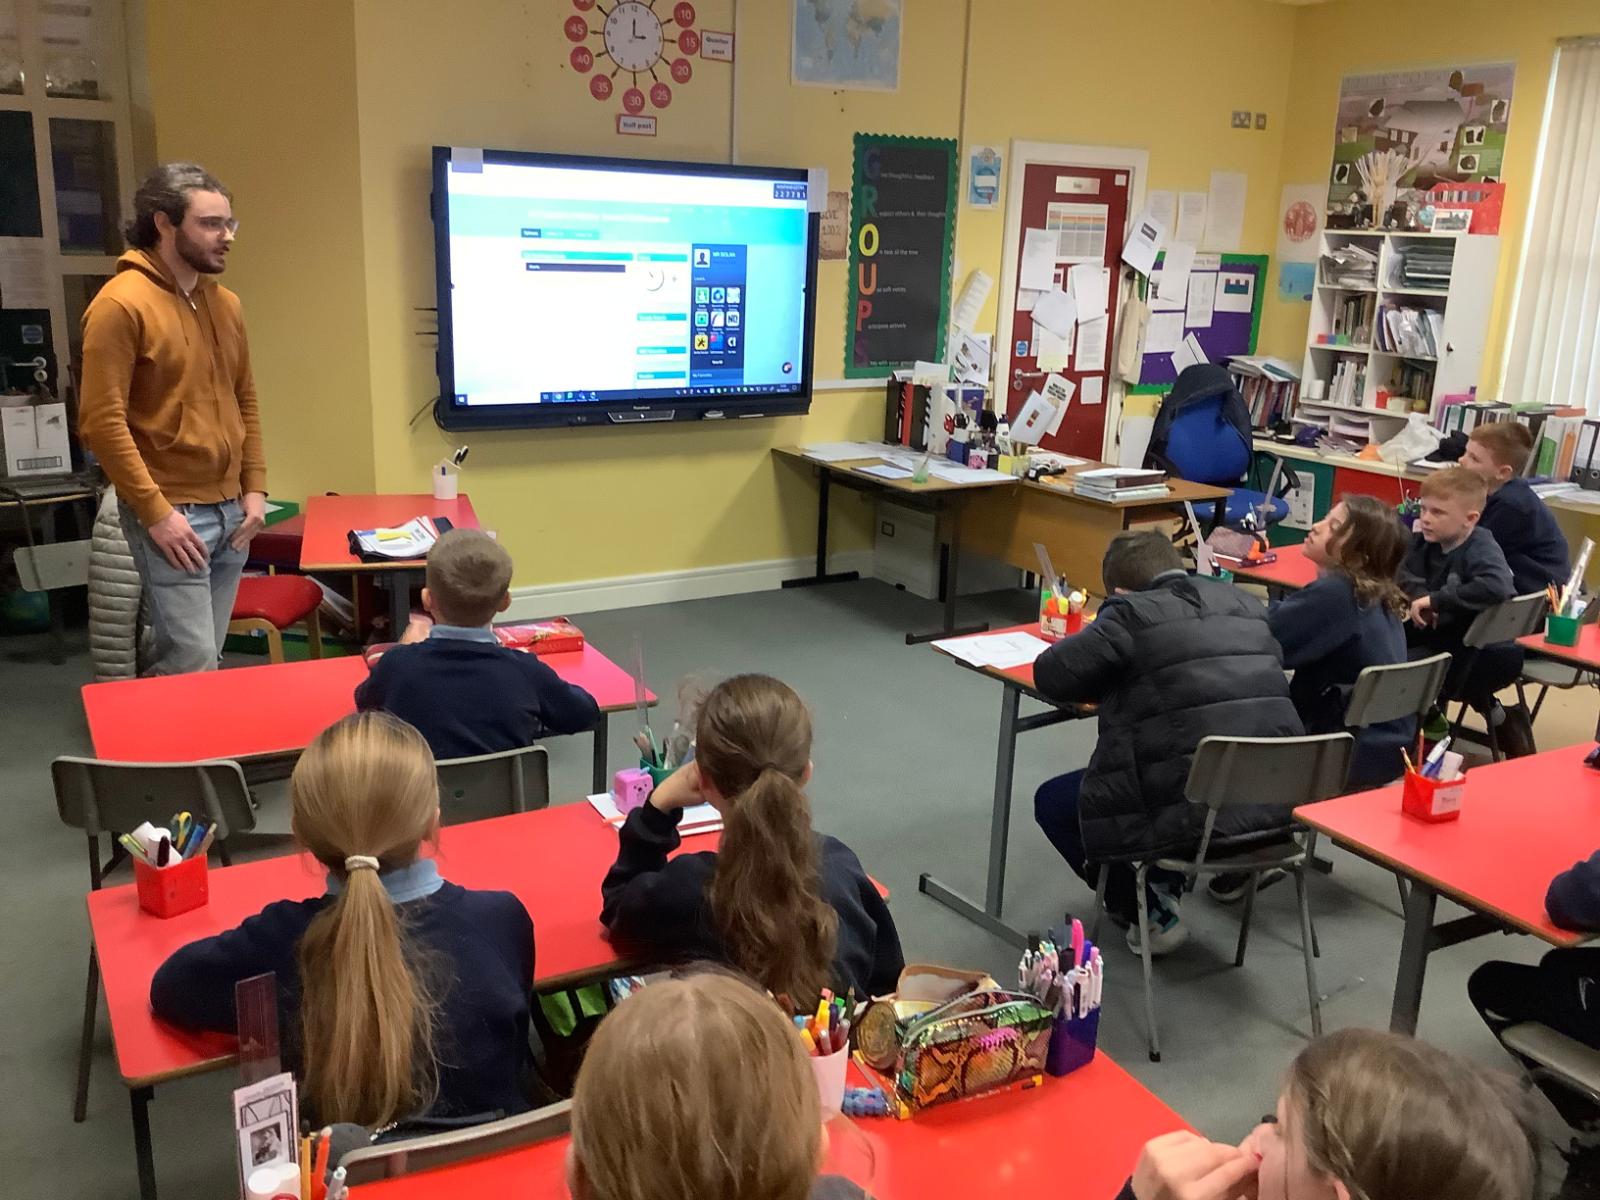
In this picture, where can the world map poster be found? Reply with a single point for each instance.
(847, 43)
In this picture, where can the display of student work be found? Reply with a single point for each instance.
(902, 228)
(599, 291)
(1421, 150)
(1211, 313)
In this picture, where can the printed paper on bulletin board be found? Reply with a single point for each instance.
(1232, 329)
(902, 229)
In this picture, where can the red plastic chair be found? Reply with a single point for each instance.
(270, 604)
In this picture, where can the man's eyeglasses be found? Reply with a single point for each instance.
(218, 224)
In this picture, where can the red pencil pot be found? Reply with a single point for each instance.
(1432, 799)
(168, 891)
(1074, 621)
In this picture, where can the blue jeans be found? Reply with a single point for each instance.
(189, 612)
(1055, 808)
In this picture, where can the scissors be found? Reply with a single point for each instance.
(182, 825)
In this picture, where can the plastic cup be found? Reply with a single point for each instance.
(829, 1072)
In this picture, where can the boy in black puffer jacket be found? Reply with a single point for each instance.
(1170, 659)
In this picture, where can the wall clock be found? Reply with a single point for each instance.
(636, 47)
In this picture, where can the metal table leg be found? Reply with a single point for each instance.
(1414, 947)
(601, 752)
(821, 574)
(952, 588)
(140, 1098)
(988, 916)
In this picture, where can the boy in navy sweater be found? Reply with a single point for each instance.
(1526, 530)
(461, 688)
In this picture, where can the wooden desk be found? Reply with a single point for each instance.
(938, 496)
(250, 712)
(1523, 821)
(1087, 1127)
(553, 860)
(1002, 519)
(325, 545)
(1291, 572)
(1014, 684)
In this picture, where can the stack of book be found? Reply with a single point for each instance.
(1351, 266)
(1424, 265)
(1349, 383)
(1269, 387)
(1413, 332)
(1120, 483)
(1352, 320)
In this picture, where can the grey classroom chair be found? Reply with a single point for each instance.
(1548, 673)
(1228, 772)
(1505, 622)
(493, 785)
(101, 797)
(372, 1163)
(1556, 1057)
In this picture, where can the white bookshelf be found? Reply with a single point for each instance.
(1464, 306)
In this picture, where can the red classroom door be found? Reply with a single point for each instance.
(1088, 209)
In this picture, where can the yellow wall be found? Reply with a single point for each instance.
(1333, 40)
(262, 94)
(332, 180)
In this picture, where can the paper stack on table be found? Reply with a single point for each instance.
(1002, 651)
(697, 818)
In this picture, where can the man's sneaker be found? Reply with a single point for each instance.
(1230, 886)
(1167, 932)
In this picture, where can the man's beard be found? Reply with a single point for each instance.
(191, 253)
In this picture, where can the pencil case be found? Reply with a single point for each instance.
(981, 1042)
(557, 636)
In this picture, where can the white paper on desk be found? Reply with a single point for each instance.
(1163, 332)
(1159, 303)
(1092, 389)
(1033, 420)
(1091, 289)
(952, 473)
(842, 451)
(1002, 651)
(1175, 270)
(1191, 218)
(1236, 292)
(1092, 344)
(1145, 239)
(1202, 295)
(1051, 351)
(1028, 297)
(24, 282)
(1225, 211)
(1038, 260)
(970, 303)
(1188, 354)
(1163, 206)
(1057, 312)
(887, 471)
(697, 818)
(1058, 390)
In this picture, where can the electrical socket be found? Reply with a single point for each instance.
(1241, 119)
(1261, 120)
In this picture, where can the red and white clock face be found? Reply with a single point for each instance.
(632, 39)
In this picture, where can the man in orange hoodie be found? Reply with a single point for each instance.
(169, 407)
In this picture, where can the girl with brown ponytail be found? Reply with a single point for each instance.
(399, 995)
(789, 907)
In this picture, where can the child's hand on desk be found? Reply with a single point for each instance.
(681, 789)
(1421, 612)
(1185, 1166)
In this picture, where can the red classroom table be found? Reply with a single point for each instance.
(1015, 683)
(247, 712)
(552, 859)
(1081, 1133)
(1586, 654)
(1523, 821)
(325, 546)
(1291, 572)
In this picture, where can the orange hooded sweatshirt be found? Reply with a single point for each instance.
(168, 403)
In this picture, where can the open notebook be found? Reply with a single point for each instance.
(700, 818)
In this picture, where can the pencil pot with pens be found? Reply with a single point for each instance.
(168, 891)
(1561, 631)
(1432, 799)
(1067, 975)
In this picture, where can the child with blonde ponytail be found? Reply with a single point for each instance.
(400, 995)
(791, 908)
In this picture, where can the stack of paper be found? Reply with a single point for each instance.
(1001, 651)
(698, 818)
(843, 451)
(1351, 266)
